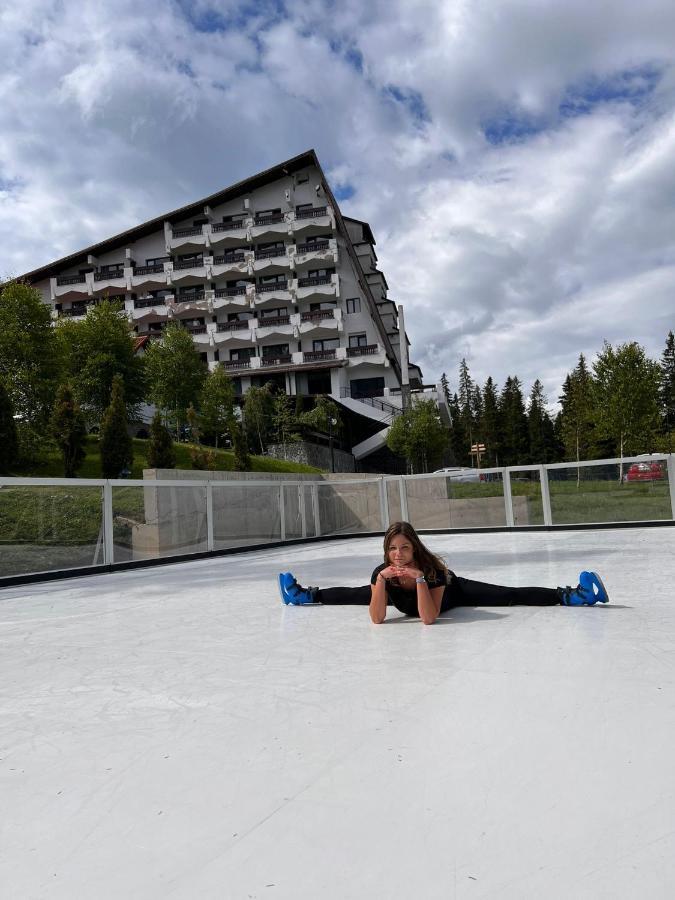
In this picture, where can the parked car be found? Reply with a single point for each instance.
(461, 473)
(645, 471)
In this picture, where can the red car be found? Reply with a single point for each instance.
(645, 471)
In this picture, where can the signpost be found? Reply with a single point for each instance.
(477, 450)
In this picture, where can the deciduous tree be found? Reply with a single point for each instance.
(418, 435)
(217, 406)
(175, 374)
(9, 445)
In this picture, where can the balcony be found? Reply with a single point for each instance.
(316, 217)
(149, 270)
(192, 297)
(225, 258)
(280, 360)
(315, 213)
(234, 326)
(236, 364)
(312, 282)
(189, 264)
(146, 302)
(70, 285)
(313, 247)
(269, 220)
(276, 224)
(195, 329)
(317, 315)
(148, 275)
(318, 355)
(273, 321)
(231, 292)
(320, 287)
(111, 275)
(367, 350)
(187, 237)
(70, 279)
(271, 287)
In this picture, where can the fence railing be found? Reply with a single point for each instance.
(61, 525)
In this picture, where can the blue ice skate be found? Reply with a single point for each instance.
(292, 594)
(589, 591)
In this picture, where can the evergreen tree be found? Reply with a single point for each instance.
(667, 389)
(418, 435)
(217, 406)
(445, 388)
(458, 438)
(161, 453)
(117, 453)
(540, 426)
(94, 350)
(466, 400)
(175, 374)
(627, 394)
(577, 411)
(30, 364)
(9, 444)
(257, 416)
(489, 425)
(69, 430)
(514, 423)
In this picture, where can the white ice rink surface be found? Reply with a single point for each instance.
(175, 732)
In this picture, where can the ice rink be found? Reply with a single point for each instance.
(175, 732)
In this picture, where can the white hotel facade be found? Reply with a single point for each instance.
(271, 280)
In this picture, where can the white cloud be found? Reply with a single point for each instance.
(518, 251)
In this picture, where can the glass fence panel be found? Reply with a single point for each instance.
(456, 501)
(153, 522)
(526, 498)
(45, 528)
(633, 492)
(394, 501)
(349, 507)
(245, 514)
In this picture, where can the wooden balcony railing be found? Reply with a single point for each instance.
(187, 232)
(367, 350)
(111, 273)
(278, 360)
(236, 364)
(232, 326)
(148, 270)
(313, 213)
(70, 279)
(315, 355)
(269, 220)
(270, 254)
(312, 282)
(317, 315)
(273, 286)
(189, 263)
(230, 292)
(228, 258)
(227, 226)
(315, 245)
(267, 321)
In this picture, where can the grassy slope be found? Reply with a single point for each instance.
(52, 467)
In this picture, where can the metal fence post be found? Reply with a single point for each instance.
(108, 543)
(545, 495)
(508, 500)
(209, 516)
(670, 464)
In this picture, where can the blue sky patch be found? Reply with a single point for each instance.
(632, 86)
(211, 20)
(411, 100)
(344, 191)
(510, 128)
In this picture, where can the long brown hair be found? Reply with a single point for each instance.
(427, 561)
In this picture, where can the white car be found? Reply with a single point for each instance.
(460, 473)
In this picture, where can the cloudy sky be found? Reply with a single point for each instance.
(515, 158)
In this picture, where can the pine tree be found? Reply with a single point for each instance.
(459, 441)
(116, 447)
(577, 409)
(489, 424)
(161, 453)
(514, 423)
(466, 400)
(539, 426)
(445, 387)
(667, 388)
(9, 444)
(69, 430)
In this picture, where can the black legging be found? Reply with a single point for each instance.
(460, 592)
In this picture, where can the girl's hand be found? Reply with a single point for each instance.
(407, 572)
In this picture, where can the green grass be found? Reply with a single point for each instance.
(52, 465)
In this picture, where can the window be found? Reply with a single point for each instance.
(272, 279)
(237, 217)
(112, 268)
(325, 344)
(358, 340)
(157, 260)
(238, 282)
(302, 178)
(303, 207)
(239, 316)
(320, 273)
(202, 220)
(325, 304)
(275, 350)
(242, 354)
(264, 213)
(272, 245)
(273, 313)
(354, 305)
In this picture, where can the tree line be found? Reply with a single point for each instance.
(57, 384)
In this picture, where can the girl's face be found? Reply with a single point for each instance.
(400, 551)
